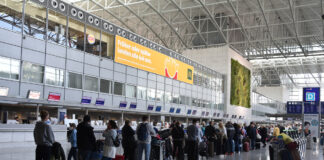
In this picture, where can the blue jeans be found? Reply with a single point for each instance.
(85, 154)
(146, 147)
(253, 143)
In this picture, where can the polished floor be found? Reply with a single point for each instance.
(27, 152)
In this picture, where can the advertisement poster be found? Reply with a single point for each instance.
(138, 56)
(311, 123)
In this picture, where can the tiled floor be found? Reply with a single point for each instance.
(28, 153)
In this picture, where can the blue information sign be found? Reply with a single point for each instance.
(158, 108)
(171, 110)
(311, 94)
(178, 110)
(85, 100)
(100, 101)
(294, 107)
(310, 108)
(189, 111)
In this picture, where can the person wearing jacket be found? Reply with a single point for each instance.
(44, 137)
(264, 135)
(73, 139)
(193, 138)
(177, 137)
(230, 136)
(128, 141)
(86, 140)
(238, 137)
(144, 133)
(110, 134)
(210, 134)
(252, 133)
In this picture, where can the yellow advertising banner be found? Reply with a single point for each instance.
(138, 56)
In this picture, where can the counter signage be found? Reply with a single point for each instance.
(86, 100)
(189, 111)
(194, 112)
(150, 107)
(207, 113)
(171, 110)
(33, 94)
(132, 105)
(214, 115)
(203, 113)
(158, 108)
(4, 91)
(122, 104)
(135, 55)
(54, 96)
(322, 107)
(100, 101)
(178, 110)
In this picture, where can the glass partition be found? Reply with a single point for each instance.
(56, 27)
(107, 45)
(35, 20)
(76, 35)
(11, 14)
(92, 40)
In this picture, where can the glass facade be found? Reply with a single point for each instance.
(105, 86)
(9, 68)
(130, 91)
(76, 35)
(91, 83)
(151, 94)
(119, 88)
(92, 40)
(107, 45)
(35, 20)
(11, 14)
(32, 72)
(74, 80)
(54, 76)
(141, 92)
(56, 32)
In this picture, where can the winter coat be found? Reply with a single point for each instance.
(86, 139)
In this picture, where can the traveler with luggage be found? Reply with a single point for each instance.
(222, 129)
(128, 141)
(210, 134)
(238, 137)
(177, 137)
(144, 131)
(193, 139)
(111, 141)
(73, 140)
(230, 138)
(252, 134)
(264, 134)
(86, 140)
(44, 137)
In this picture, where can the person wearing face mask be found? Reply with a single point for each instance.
(44, 137)
(193, 138)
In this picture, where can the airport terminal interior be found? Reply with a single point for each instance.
(161, 79)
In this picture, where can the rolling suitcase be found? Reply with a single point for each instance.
(246, 146)
(218, 147)
(211, 148)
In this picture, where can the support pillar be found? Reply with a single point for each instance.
(37, 112)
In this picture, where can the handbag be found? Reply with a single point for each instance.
(258, 136)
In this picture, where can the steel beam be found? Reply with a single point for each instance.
(211, 17)
(167, 22)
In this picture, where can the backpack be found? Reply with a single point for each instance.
(142, 133)
(116, 141)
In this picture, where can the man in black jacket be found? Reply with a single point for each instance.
(252, 135)
(85, 138)
(178, 137)
(263, 134)
(128, 141)
(210, 133)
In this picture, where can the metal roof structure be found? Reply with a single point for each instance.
(283, 39)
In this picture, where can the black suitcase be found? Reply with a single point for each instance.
(257, 145)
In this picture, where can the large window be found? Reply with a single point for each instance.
(105, 86)
(9, 68)
(91, 83)
(76, 34)
(167, 97)
(11, 14)
(119, 88)
(130, 91)
(159, 95)
(32, 72)
(175, 98)
(141, 92)
(74, 80)
(54, 76)
(107, 45)
(92, 40)
(56, 27)
(151, 94)
(35, 20)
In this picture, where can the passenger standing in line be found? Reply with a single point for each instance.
(210, 134)
(44, 137)
(128, 141)
(144, 131)
(110, 135)
(73, 139)
(252, 135)
(193, 138)
(222, 129)
(178, 137)
(238, 137)
(230, 136)
(154, 127)
(276, 131)
(263, 134)
(86, 140)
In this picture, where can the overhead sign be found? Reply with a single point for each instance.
(311, 94)
(189, 111)
(178, 110)
(138, 56)
(33, 94)
(4, 91)
(311, 108)
(132, 105)
(171, 110)
(294, 107)
(150, 107)
(86, 100)
(100, 101)
(158, 108)
(54, 96)
(123, 104)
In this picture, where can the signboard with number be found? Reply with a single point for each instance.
(294, 107)
(311, 94)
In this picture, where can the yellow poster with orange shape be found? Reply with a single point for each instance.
(138, 56)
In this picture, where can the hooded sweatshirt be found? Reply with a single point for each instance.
(43, 134)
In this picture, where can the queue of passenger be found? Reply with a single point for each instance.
(195, 140)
